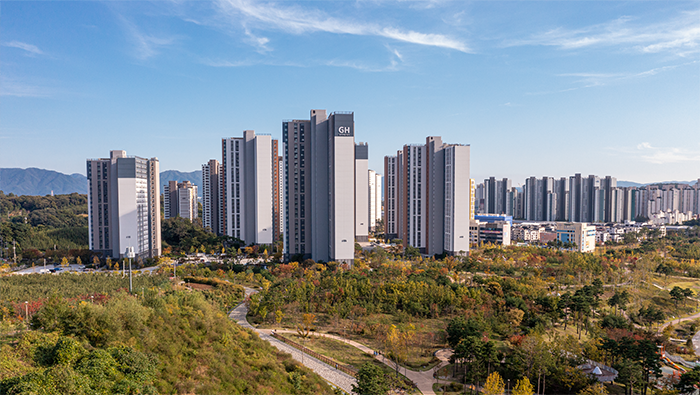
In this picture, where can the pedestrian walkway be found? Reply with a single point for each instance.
(329, 373)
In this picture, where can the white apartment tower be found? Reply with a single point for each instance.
(362, 221)
(375, 199)
(212, 215)
(180, 200)
(319, 169)
(124, 205)
(247, 187)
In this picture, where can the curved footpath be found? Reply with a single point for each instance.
(423, 380)
(329, 373)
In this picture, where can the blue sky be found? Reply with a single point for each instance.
(537, 88)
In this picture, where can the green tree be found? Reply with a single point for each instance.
(370, 381)
(689, 380)
(677, 295)
(460, 328)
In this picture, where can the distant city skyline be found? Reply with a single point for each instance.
(536, 88)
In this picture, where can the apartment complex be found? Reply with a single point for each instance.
(212, 214)
(320, 160)
(427, 193)
(599, 199)
(248, 188)
(180, 200)
(124, 205)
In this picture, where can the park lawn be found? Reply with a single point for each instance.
(559, 331)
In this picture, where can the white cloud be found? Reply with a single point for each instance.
(660, 155)
(32, 49)
(296, 20)
(680, 35)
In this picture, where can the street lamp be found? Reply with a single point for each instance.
(130, 255)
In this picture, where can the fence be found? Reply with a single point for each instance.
(343, 368)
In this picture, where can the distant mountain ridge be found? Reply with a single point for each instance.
(625, 184)
(195, 177)
(41, 182)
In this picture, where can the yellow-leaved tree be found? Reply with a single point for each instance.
(64, 262)
(494, 385)
(523, 387)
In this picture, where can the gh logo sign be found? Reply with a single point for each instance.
(344, 130)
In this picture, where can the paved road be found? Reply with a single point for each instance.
(329, 373)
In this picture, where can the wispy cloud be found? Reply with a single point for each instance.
(680, 35)
(32, 49)
(296, 20)
(419, 4)
(660, 155)
(227, 63)
(592, 79)
(146, 45)
(16, 88)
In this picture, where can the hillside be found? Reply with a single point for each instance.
(167, 339)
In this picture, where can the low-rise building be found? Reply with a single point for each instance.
(578, 233)
(497, 232)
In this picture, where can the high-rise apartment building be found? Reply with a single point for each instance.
(496, 196)
(391, 195)
(212, 214)
(361, 192)
(276, 192)
(319, 157)
(431, 207)
(124, 205)
(180, 200)
(248, 183)
(375, 199)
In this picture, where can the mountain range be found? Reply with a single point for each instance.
(41, 182)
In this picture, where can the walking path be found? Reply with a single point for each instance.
(329, 373)
(423, 380)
